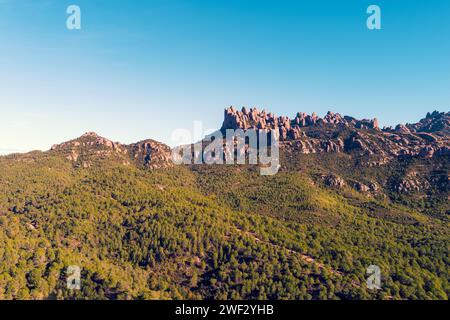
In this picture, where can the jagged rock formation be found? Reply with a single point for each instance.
(335, 133)
(361, 187)
(288, 128)
(433, 122)
(334, 181)
(412, 182)
(304, 134)
(359, 142)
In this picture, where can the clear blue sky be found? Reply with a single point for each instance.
(140, 69)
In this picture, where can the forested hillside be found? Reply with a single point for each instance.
(219, 232)
(348, 195)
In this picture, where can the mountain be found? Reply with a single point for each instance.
(348, 195)
(398, 156)
(90, 147)
(436, 122)
(336, 133)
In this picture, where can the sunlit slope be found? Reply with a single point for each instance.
(205, 233)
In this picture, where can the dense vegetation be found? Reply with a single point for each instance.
(211, 232)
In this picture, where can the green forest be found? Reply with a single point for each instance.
(210, 232)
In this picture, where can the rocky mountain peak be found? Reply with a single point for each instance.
(88, 148)
(90, 134)
(434, 122)
(91, 147)
(88, 140)
(336, 133)
(289, 128)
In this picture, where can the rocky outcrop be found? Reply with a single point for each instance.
(412, 182)
(361, 187)
(89, 139)
(91, 147)
(433, 122)
(335, 133)
(304, 134)
(84, 150)
(151, 154)
(288, 129)
(400, 128)
(333, 181)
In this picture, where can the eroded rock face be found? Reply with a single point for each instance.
(304, 134)
(151, 154)
(91, 147)
(288, 128)
(361, 187)
(89, 139)
(334, 181)
(433, 122)
(402, 129)
(88, 148)
(335, 133)
(412, 182)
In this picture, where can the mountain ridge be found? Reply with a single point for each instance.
(140, 228)
(303, 134)
(362, 142)
(290, 129)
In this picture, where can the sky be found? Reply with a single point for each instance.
(142, 69)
